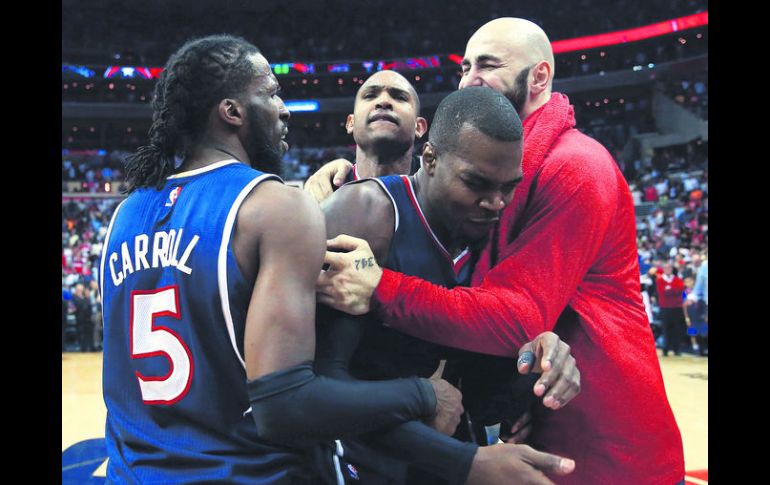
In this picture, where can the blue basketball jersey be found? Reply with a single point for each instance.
(175, 305)
(415, 250)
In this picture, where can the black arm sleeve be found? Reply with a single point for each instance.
(414, 442)
(295, 405)
(493, 390)
(424, 447)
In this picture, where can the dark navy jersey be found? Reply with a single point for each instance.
(415, 250)
(175, 306)
(352, 176)
(493, 390)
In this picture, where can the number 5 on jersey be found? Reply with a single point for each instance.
(151, 340)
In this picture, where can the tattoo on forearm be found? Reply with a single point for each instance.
(364, 262)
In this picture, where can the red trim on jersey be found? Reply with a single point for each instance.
(355, 172)
(160, 353)
(459, 261)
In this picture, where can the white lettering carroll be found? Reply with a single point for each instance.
(160, 250)
(141, 243)
(182, 266)
(116, 278)
(163, 253)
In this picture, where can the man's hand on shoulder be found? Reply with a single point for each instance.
(321, 184)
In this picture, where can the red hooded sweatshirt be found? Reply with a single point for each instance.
(566, 262)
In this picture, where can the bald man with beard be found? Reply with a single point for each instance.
(562, 258)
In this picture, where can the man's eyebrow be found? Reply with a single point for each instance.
(395, 90)
(482, 58)
(370, 88)
(487, 57)
(476, 177)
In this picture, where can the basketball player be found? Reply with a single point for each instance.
(208, 282)
(423, 225)
(385, 123)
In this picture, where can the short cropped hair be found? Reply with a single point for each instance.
(480, 107)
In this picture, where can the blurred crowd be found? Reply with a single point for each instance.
(293, 31)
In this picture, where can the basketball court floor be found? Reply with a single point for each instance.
(83, 415)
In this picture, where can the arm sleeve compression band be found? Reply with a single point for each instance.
(413, 442)
(294, 405)
(424, 447)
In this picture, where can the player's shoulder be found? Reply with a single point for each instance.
(365, 195)
(272, 200)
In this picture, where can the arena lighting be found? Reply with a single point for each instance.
(631, 35)
(338, 68)
(131, 71)
(301, 106)
(111, 70)
(456, 59)
(304, 68)
(83, 71)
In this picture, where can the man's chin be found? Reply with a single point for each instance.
(390, 145)
(476, 241)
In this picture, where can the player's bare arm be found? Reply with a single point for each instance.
(285, 230)
(278, 240)
(364, 210)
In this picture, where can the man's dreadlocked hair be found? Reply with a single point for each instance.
(196, 77)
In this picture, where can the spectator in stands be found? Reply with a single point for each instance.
(83, 314)
(669, 292)
(65, 299)
(695, 316)
(650, 194)
(96, 314)
(701, 292)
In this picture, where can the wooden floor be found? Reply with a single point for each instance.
(686, 380)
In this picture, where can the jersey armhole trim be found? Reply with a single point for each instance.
(224, 294)
(392, 201)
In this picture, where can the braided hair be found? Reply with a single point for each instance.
(196, 77)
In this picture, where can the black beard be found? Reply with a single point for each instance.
(267, 159)
(263, 155)
(519, 95)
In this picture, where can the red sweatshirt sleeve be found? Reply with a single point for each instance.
(537, 276)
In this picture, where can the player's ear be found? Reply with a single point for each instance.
(230, 111)
(349, 124)
(420, 127)
(429, 158)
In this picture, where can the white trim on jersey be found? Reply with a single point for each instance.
(224, 295)
(392, 200)
(336, 457)
(106, 243)
(201, 170)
